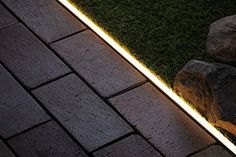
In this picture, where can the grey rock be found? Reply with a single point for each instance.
(221, 42)
(161, 122)
(210, 88)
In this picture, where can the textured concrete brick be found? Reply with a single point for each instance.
(86, 116)
(103, 68)
(213, 151)
(133, 146)
(168, 128)
(47, 18)
(4, 151)
(18, 111)
(27, 57)
(6, 18)
(47, 140)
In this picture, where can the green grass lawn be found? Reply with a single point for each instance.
(163, 34)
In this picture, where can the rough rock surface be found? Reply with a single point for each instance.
(221, 42)
(210, 87)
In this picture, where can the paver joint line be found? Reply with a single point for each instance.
(45, 109)
(9, 147)
(160, 120)
(28, 129)
(6, 19)
(97, 63)
(80, 31)
(95, 91)
(5, 27)
(54, 52)
(214, 150)
(20, 81)
(49, 20)
(48, 139)
(134, 145)
(127, 89)
(114, 141)
(29, 59)
(105, 99)
(131, 125)
(87, 117)
(200, 150)
(55, 79)
(193, 114)
(18, 110)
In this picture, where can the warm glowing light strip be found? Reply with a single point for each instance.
(179, 101)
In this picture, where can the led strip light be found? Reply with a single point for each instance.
(152, 77)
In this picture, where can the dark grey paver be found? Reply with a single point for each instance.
(4, 151)
(47, 140)
(6, 18)
(159, 120)
(18, 111)
(213, 151)
(47, 18)
(27, 57)
(132, 146)
(92, 122)
(103, 68)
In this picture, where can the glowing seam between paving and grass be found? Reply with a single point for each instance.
(179, 101)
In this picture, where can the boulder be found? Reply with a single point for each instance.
(221, 41)
(211, 88)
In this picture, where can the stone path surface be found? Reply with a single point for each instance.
(64, 93)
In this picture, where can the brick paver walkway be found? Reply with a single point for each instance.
(66, 93)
